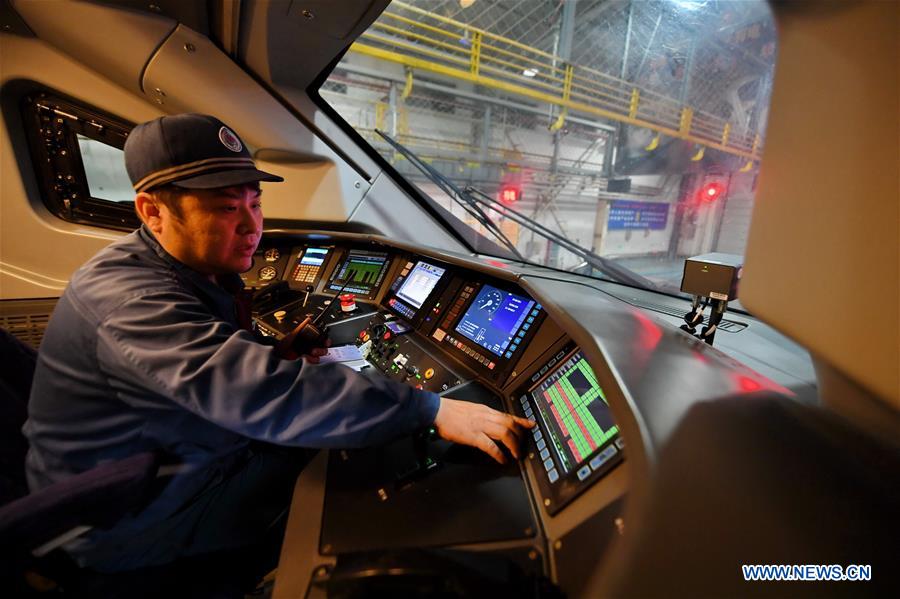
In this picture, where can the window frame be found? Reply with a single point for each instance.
(52, 123)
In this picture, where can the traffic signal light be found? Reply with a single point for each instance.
(711, 191)
(510, 194)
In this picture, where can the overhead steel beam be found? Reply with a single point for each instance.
(361, 70)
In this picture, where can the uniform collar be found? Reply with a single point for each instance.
(230, 282)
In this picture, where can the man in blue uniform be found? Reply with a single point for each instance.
(145, 351)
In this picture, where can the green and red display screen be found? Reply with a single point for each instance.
(574, 413)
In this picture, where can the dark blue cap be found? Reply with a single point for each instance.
(194, 151)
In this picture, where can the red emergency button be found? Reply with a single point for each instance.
(386, 336)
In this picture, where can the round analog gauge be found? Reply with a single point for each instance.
(267, 273)
(491, 301)
(272, 254)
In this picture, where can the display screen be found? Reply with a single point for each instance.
(314, 256)
(494, 318)
(309, 261)
(574, 412)
(361, 272)
(420, 283)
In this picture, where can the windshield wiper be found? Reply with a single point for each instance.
(608, 267)
(472, 199)
(462, 197)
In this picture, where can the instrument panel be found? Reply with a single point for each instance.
(436, 326)
(473, 331)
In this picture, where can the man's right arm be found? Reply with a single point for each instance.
(168, 344)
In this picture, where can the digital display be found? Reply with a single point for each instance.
(361, 272)
(314, 256)
(575, 415)
(494, 318)
(420, 283)
(309, 261)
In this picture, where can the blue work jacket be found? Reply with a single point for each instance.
(144, 353)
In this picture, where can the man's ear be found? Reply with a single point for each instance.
(148, 210)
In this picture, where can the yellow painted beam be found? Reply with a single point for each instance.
(683, 131)
(476, 54)
(408, 87)
(635, 98)
(684, 127)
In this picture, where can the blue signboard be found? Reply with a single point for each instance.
(624, 214)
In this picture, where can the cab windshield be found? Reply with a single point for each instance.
(610, 138)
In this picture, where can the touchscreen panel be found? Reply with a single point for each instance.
(420, 283)
(494, 318)
(361, 272)
(575, 418)
(574, 411)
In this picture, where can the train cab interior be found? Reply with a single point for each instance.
(664, 231)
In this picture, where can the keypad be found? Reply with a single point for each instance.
(304, 273)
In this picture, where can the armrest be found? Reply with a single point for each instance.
(98, 497)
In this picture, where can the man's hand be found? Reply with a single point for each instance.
(285, 347)
(476, 425)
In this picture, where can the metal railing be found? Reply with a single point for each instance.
(430, 42)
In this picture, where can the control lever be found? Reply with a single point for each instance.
(309, 289)
(270, 296)
(313, 334)
(424, 463)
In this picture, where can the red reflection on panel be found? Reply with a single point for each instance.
(747, 384)
(751, 384)
(497, 263)
(650, 332)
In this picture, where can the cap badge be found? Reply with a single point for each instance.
(230, 140)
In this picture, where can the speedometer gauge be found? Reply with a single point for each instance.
(267, 273)
(491, 301)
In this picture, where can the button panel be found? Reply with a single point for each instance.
(304, 273)
(402, 308)
(474, 354)
(601, 458)
(456, 307)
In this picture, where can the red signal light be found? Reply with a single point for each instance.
(710, 192)
(510, 194)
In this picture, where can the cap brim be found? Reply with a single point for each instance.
(227, 178)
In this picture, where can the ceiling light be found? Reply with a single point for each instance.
(690, 4)
(466, 3)
(530, 72)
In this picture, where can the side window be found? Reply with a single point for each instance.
(104, 167)
(79, 162)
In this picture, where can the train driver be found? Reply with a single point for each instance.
(148, 350)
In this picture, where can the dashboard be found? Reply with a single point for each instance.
(435, 326)
(591, 363)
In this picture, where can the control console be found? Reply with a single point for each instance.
(387, 345)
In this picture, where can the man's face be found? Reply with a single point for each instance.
(217, 231)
